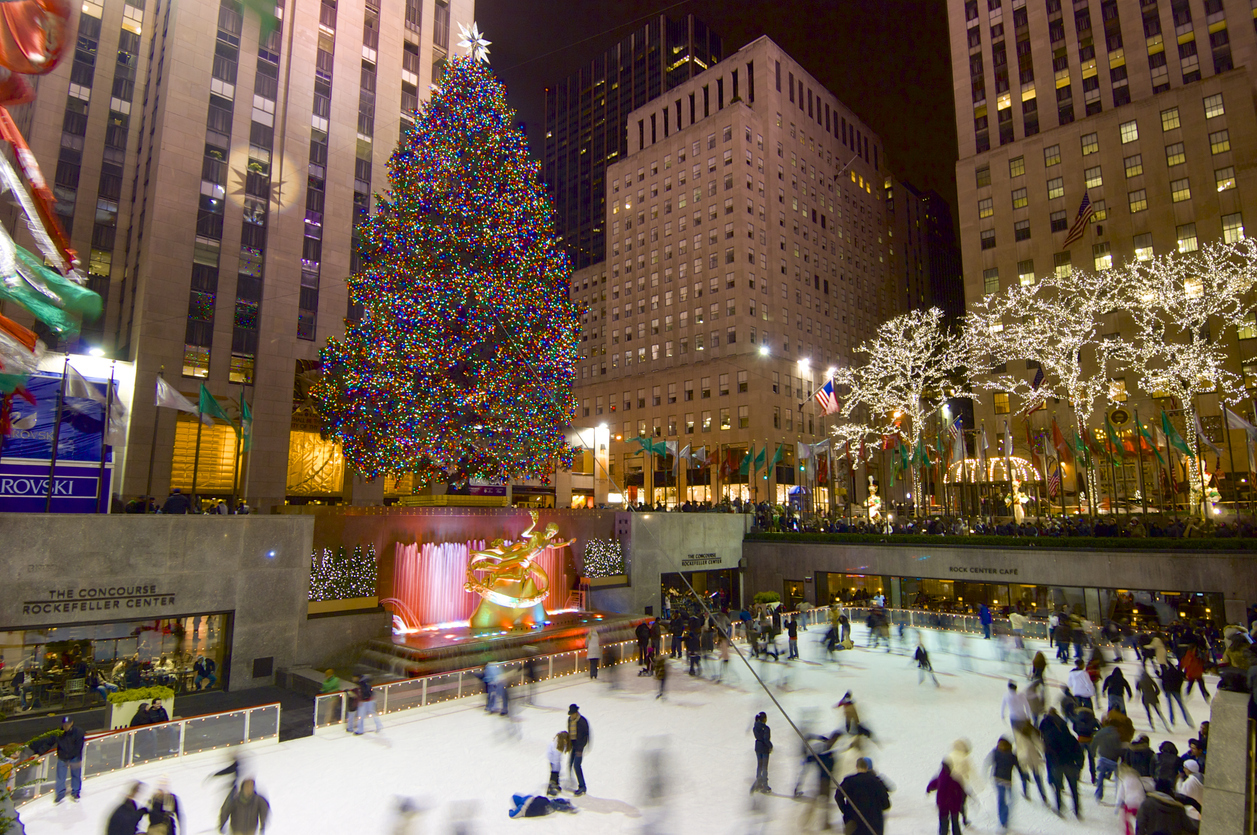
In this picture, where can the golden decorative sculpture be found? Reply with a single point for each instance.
(514, 585)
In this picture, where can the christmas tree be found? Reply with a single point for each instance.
(462, 366)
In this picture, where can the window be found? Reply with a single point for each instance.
(1020, 200)
(1090, 144)
(1056, 188)
(988, 239)
(1213, 106)
(744, 417)
(1021, 230)
(1174, 154)
(707, 421)
(1025, 273)
(985, 208)
(984, 176)
(1052, 155)
(1186, 235)
(725, 421)
(1117, 390)
(1248, 328)
(724, 385)
(1219, 142)
(1169, 119)
(742, 382)
(1180, 190)
(1001, 403)
(1061, 264)
(1093, 178)
(1103, 258)
(990, 281)
(1138, 200)
(1016, 166)
(1232, 228)
(1134, 165)
(689, 423)
(1224, 178)
(1130, 131)
(1143, 247)
(1059, 221)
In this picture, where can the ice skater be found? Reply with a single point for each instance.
(792, 634)
(950, 799)
(1001, 762)
(923, 666)
(366, 706)
(578, 736)
(1150, 695)
(661, 673)
(593, 652)
(763, 749)
(558, 747)
(1172, 685)
(245, 810)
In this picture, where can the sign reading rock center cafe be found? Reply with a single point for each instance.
(92, 599)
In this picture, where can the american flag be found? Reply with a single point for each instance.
(1085, 211)
(958, 450)
(1054, 478)
(826, 399)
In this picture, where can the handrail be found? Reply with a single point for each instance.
(123, 748)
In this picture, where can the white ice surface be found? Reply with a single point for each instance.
(462, 764)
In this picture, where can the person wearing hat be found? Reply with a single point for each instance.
(578, 738)
(69, 759)
(331, 682)
(1191, 791)
(864, 798)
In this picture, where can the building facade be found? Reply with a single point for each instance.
(212, 178)
(1146, 108)
(747, 251)
(587, 114)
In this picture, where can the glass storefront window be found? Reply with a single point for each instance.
(77, 666)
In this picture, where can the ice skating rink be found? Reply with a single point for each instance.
(462, 765)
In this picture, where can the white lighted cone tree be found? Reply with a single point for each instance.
(1182, 307)
(1057, 322)
(913, 367)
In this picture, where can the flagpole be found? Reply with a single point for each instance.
(152, 450)
(1200, 470)
(104, 433)
(56, 436)
(1139, 462)
(1230, 454)
(196, 463)
(235, 479)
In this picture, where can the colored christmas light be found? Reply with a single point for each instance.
(603, 558)
(337, 576)
(463, 364)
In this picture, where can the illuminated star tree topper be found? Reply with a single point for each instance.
(463, 363)
(474, 41)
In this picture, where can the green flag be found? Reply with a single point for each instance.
(210, 409)
(905, 462)
(246, 424)
(1114, 441)
(920, 458)
(1144, 432)
(1172, 437)
(776, 456)
(265, 10)
(748, 459)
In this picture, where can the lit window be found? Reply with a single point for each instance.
(195, 361)
(1225, 178)
(1130, 131)
(1103, 258)
(1001, 403)
(1213, 106)
(1180, 190)
(1143, 247)
(985, 207)
(1025, 273)
(1174, 154)
(983, 176)
(1056, 188)
(1134, 165)
(1219, 142)
(1016, 166)
(1117, 390)
(1090, 144)
(1187, 237)
(1061, 264)
(1169, 119)
(1093, 177)
(1020, 198)
(1193, 288)
(1052, 156)
(1138, 200)
(1232, 228)
(990, 281)
(1099, 211)
(1248, 328)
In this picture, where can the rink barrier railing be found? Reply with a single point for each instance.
(422, 691)
(913, 618)
(121, 749)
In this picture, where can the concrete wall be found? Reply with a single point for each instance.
(659, 543)
(1228, 776)
(68, 569)
(1234, 574)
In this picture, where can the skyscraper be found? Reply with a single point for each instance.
(747, 251)
(587, 113)
(212, 178)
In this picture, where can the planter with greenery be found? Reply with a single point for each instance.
(124, 703)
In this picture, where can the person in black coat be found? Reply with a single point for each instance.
(1064, 757)
(1140, 757)
(140, 719)
(1117, 688)
(1165, 770)
(578, 735)
(763, 748)
(863, 798)
(176, 502)
(125, 820)
(69, 759)
(642, 633)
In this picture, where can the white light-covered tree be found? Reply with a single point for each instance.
(1182, 306)
(913, 366)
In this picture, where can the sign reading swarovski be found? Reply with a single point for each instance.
(93, 599)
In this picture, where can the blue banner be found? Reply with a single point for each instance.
(33, 426)
(24, 487)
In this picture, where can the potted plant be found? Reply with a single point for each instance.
(124, 703)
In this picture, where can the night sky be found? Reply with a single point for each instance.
(886, 59)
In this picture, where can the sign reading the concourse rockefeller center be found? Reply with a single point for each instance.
(90, 601)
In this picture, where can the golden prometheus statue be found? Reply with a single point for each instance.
(514, 585)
